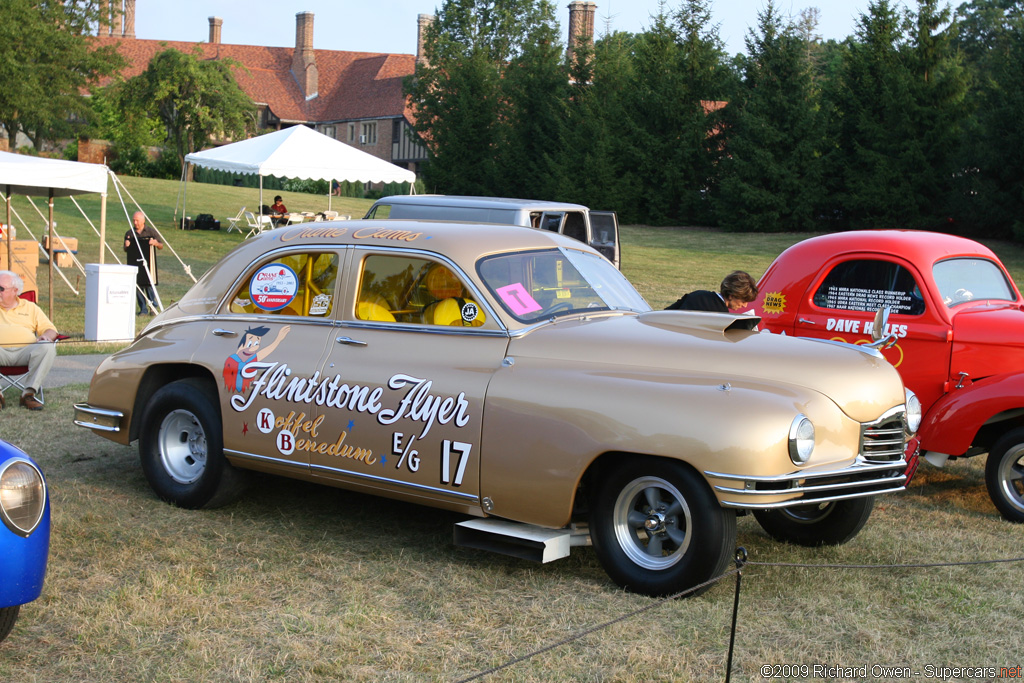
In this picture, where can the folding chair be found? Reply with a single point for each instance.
(12, 375)
(256, 224)
(235, 220)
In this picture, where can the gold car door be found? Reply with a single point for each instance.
(409, 367)
(268, 346)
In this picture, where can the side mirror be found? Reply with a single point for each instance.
(881, 320)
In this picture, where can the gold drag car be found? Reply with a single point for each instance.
(513, 375)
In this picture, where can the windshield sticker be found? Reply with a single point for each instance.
(518, 299)
(470, 311)
(321, 304)
(273, 286)
(250, 349)
(774, 302)
(861, 299)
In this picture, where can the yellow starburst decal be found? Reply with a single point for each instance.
(774, 302)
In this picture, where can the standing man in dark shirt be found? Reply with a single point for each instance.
(139, 245)
(736, 291)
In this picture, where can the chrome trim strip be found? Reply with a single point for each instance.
(321, 469)
(419, 328)
(857, 468)
(811, 489)
(803, 501)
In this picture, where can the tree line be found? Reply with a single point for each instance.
(914, 121)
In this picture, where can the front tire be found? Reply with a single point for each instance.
(1004, 475)
(8, 615)
(817, 524)
(182, 447)
(657, 528)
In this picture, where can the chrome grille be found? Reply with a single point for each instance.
(883, 440)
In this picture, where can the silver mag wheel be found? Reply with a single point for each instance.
(657, 527)
(181, 447)
(1004, 475)
(815, 524)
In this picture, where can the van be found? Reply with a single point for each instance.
(599, 229)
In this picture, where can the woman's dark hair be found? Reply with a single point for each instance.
(740, 286)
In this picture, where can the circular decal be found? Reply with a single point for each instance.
(285, 442)
(265, 420)
(273, 286)
(469, 311)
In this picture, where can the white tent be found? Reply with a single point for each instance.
(299, 152)
(37, 176)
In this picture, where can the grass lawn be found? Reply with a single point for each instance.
(298, 582)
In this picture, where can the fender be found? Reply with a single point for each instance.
(954, 420)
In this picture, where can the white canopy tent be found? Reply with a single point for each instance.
(299, 152)
(36, 176)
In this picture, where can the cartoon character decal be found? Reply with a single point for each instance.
(250, 348)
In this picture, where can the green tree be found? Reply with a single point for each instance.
(195, 100)
(479, 59)
(771, 174)
(46, 64)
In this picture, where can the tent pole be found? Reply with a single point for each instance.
(103, 225)
(7, 230)
(184, 198)
(259, 216)
(51, 245)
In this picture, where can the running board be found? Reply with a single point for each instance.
(524, 541)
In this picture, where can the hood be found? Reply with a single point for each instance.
(719, 347)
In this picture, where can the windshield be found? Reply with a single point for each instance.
(534, 285)
(970, 279)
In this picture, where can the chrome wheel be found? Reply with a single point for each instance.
(652, 522)
(182, 444)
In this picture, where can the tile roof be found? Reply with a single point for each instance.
(352, 85)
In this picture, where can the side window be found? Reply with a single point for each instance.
(575, 227)
(867, 285)
(296, 284)
(408, 289)
(551, 221)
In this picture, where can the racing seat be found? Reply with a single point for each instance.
(374, 310)
(454, 312)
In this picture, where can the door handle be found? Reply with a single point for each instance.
(805, 321)
(219, 332)
(350, 341)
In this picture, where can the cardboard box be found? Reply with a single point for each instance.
(64, 259)
(24, 252)
(62, 244)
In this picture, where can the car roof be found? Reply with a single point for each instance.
(464, 201)
(917, 246)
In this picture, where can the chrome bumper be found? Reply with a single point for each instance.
(100, 419)
(861, 479)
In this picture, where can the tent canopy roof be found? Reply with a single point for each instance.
(300, 152)
(36, 176)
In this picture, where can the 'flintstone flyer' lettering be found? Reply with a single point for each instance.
(273, 380)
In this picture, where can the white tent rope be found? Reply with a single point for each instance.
(113, 254)
(59, 240)
(39, 244)
(118, 186)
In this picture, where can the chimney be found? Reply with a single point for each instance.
(581, 26)
(215, 24)
(129, 19)
(423, 23)
(303, 59)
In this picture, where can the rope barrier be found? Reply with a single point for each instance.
(741, 562)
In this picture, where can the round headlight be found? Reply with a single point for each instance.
(913, 412)
(22, 497)
(801, 439)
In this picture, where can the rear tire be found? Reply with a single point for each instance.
(8, 615)
(182, 447)
(817, 524)
(657, 528)
(1004, 475)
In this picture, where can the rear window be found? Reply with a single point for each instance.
(868, 285)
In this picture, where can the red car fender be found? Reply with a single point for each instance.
(953, 421)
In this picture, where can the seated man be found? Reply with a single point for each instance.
(278, 212)
(26, 338)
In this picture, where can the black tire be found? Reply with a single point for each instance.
(8, 615)
(1004, 475)
(693, 537)
(181, 447)
(817, 524)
